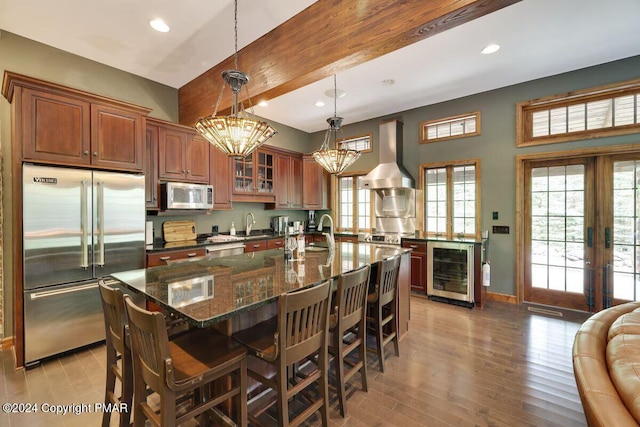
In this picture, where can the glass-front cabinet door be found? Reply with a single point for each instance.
(254, 174)
(243, 181)
(264, 182)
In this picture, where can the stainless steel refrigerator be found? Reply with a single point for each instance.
(79, 225)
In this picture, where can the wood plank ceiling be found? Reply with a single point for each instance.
(324, 39)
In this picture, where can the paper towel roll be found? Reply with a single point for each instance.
(149, 233)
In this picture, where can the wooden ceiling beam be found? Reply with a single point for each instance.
(328, 37)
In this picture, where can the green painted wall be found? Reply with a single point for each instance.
(495, 148)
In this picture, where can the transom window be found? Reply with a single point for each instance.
(451, 199)
(450, 127)
(358, 143)
(354, 204)
(604, 111)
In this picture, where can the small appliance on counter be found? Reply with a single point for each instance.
(311, 222)
(279, 224)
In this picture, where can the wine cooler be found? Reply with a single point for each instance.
(450, 271)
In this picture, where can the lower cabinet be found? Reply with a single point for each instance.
(155, 259)
(255, 246)
(418, 265)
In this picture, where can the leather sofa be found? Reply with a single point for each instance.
(606, 365)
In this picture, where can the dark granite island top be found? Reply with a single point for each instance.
(210, 290)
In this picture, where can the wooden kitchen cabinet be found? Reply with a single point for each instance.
(155, 259)
(220, 177)
(275, 243)
(255, 246)
(152, 199)
(418, 265)
(288, 181)
(315, 185)
(182, 155)
(64, 126)
(254, 177)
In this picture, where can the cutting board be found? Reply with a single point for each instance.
(176, 231)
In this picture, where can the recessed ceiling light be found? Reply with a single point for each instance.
(492, 48)
(388, 82)
(319, 104)
(263, 103)
(159, 25)
(339, 92)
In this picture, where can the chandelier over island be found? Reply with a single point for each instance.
(237, 134)
(333, 159)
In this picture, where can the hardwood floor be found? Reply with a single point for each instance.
(501, 366)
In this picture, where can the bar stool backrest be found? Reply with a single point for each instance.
(150, 345)
(303, 321)
(388, 280)
(115, 317)
(352, 297)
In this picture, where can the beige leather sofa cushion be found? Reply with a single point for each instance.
(626, 324)
(623, 359)
(603, 407)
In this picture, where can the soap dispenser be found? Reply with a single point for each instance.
(233, 229)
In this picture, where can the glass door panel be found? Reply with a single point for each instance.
(557, 273)
(622, 263)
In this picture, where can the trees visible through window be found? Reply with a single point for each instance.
(451, 199)
(354, 204)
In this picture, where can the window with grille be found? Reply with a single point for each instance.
(450, 127)
(451, 199)
(358, 143)
(597, 112)
(354, 204)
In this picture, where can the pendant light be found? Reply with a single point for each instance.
(335, 160)
(237, 134)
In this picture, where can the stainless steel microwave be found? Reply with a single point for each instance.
(181, 195)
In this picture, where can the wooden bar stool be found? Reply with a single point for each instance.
(347, 326)
(185, 366)
(383, 308)
(115, 322)
(298, 332)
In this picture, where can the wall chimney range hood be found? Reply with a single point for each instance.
(389, 173)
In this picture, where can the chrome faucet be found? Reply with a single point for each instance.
(329, 235)
(249, 224)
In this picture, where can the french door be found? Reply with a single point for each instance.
(582, 231)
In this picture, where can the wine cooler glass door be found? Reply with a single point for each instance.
(450, 270)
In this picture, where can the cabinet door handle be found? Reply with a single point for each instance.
(164, 258)
(191, 255)
(95, 154)
(256, 246)
(86, 152)
(188, 171)
(413, 246)
(278, 243)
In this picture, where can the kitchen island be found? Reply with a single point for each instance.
(236, 291)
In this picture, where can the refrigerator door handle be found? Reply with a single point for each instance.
(100, 209)
(45, 294)
(84, 246)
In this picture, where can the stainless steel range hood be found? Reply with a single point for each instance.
(389, 173)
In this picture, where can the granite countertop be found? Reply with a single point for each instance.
(201, 242)
(210, 290)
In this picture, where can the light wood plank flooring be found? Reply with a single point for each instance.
(501, 366)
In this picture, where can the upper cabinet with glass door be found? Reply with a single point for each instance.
(253, 179)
